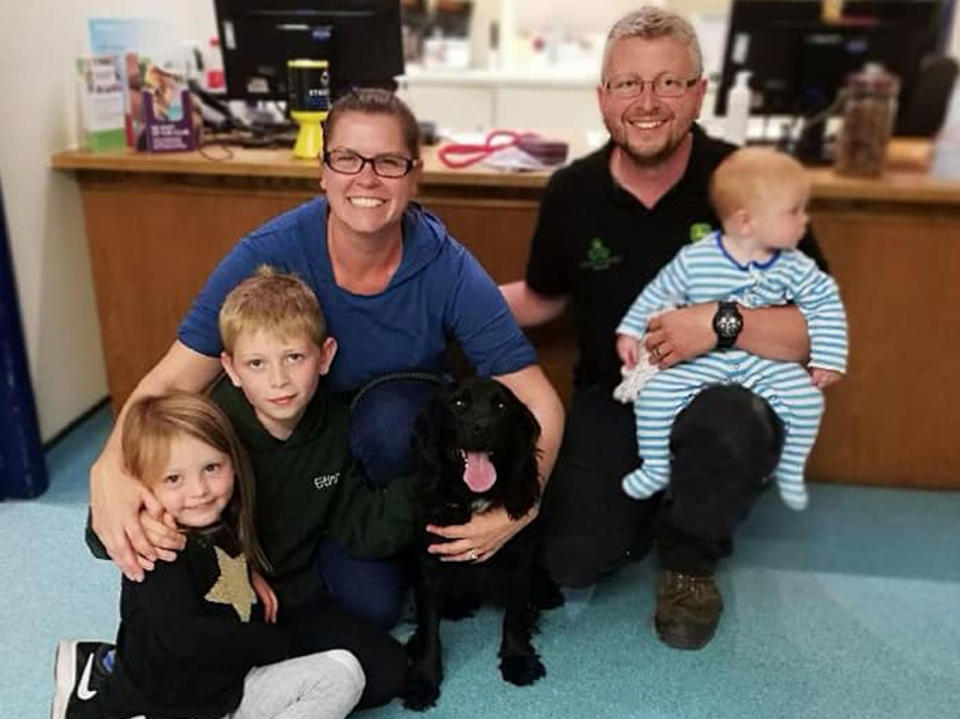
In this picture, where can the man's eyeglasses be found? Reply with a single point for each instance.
(348, 162)
(665, 85)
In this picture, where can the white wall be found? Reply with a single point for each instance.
(39, 41)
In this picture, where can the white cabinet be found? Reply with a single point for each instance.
(540, 108)
(450, 106)
(486, 99)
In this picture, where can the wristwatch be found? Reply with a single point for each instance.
(727, 323)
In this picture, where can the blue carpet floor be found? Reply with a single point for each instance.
(850, 609)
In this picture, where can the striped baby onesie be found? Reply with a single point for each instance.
(705, 272)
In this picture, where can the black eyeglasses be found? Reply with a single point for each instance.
(665, 85)
(348, 162)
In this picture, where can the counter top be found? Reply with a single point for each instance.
(900, 183)
(277, 163)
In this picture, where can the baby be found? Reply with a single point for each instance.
(760, 196)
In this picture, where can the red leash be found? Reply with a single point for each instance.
(457, 155)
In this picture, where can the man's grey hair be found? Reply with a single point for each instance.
(651, 23)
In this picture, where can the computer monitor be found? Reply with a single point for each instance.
(360, 38)
(799, 59)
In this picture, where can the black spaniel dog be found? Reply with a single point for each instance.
(477, 445)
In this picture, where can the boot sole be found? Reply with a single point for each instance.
(685, 645)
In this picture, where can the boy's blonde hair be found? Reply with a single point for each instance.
(153, 422)
(751, 175)
(273, 301)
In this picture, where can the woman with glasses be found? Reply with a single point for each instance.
(395, 289)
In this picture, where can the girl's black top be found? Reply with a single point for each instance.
(186, 642)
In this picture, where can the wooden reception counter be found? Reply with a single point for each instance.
(157, 224)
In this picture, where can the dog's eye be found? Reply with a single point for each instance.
(499, 405)
(459, 404)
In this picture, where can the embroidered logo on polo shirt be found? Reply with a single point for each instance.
(699, 230)
(325, 481)
(599, 257)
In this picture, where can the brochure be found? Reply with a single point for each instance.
(100, 103)
(168, 112)
(137, 41)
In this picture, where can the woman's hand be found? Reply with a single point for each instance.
(116, 499)
(162, 533)
(267, 596)
(480, 538)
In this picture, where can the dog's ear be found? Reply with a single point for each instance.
(524, 488)
(429, 437)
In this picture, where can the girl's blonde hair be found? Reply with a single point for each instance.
(151, 425)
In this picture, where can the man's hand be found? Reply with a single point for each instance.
(115, 511)
(480, 538)
(823, 378)
(268, 598)
(530, 308)
(681, 334)
(628, 350)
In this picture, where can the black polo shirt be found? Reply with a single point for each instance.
(599, 245)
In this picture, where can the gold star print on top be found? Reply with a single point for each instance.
(233, 584)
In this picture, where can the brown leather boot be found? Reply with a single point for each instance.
(688, 609)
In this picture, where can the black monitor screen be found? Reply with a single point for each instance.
(799, 61)
(360, 39)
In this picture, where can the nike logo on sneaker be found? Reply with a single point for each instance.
(84, 692)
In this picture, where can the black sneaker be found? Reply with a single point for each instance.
(80, 669)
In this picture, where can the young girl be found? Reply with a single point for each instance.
(193, 641)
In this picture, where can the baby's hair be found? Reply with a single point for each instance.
(274, 301)
(153, 422)
(750, 175)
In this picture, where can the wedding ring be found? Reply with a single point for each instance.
(474, 555)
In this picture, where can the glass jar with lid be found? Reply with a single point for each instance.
(869, 113)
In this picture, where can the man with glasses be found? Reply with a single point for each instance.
(607, 224)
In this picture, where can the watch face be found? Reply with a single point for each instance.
(728, 325)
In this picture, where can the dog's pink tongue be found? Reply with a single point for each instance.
(479, 472)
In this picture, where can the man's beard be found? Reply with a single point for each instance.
(657, 158)
(619, 137)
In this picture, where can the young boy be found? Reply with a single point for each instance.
(760, 196)
(275, 351)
